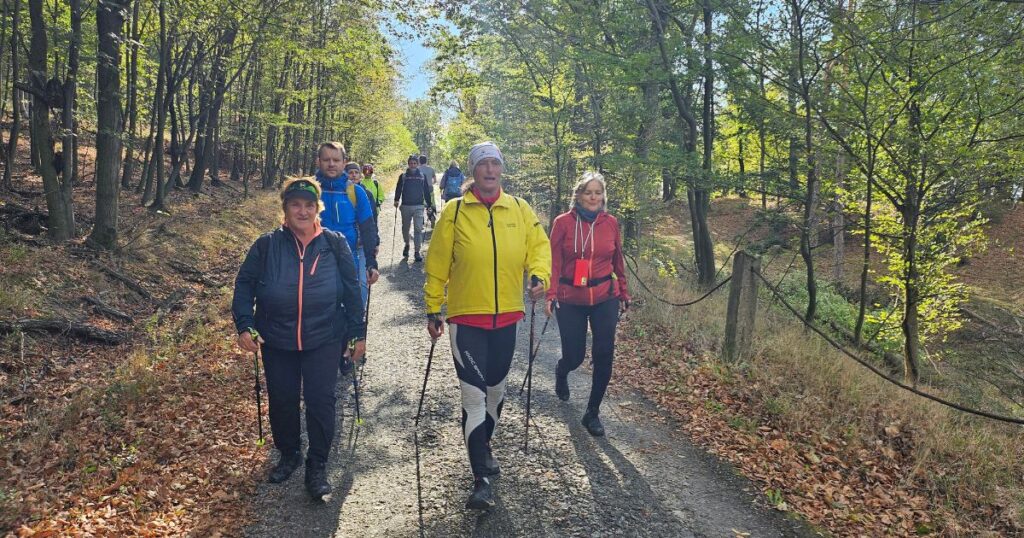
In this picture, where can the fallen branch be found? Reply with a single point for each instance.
(127, 281)
(63, 326)
(193, 274)
(103, 309)
(173, 302)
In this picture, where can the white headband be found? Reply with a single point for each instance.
(482, 151)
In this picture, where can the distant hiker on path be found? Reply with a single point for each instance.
(484, 242)
(431, 178)
(297, 300)
(451, 182)
(374, 189)
(412, 195)
(590, 286)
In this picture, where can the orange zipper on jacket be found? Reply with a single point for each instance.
(302, 255)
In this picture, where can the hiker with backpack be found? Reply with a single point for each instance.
(297, 301)
(451, 182)
(374, 189)
(485, 241)
(431, 178)
(347, 211)
(412, 195)
(589, 286)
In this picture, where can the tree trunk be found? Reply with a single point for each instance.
(58, 193)
(911, 212)
(69, 147)
(133, 96)
(858, 332)
(838, 219)
(703, 247)
(12, 141)
(161, 113)
(109, 24)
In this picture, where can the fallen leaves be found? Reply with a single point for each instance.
(152, 438)
(850, 487)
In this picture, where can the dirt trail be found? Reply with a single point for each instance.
(643, 479)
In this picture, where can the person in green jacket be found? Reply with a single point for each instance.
(373, 188)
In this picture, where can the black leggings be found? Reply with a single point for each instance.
(572, 326)
(482, 361)
(314, 372)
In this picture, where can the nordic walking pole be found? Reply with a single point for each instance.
(355, 367)
(423, 391)
(257, 387)
(416, 429)
(533, 355)
(534, 281)
(394, 231)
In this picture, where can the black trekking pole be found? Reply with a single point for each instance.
(534, 281)
(416, 429)
(259, 400)
(357, 369)
(533, 355)
(394, 231)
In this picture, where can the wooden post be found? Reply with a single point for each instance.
(742, 306)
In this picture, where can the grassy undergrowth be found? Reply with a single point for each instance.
(851, 452)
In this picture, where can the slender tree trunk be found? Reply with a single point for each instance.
(70, 143)
(838, 219)
(133, 96)
(58, 193)
(911, 212)
(858, 332)
(159, 202)
(12, 140)
(704, 249)
(741, 189)
(109, 24)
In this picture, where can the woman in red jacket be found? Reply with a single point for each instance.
(589, 286)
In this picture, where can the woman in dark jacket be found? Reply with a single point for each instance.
(297, 299)
(589, 285)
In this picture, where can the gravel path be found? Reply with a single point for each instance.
(642, 479)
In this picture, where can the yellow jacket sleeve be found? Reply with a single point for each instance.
(438, 264)
(538, 248)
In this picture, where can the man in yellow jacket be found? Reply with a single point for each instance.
(482, 247)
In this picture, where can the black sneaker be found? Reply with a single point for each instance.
(418, 258)
(482, 497)
(593, 423)
(316, 480)
(405, 251)
(491, 464)
(284, 468)
(562, 387)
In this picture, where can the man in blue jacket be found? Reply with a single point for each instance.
(354, 221)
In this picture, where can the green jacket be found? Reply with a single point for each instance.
(375, 191)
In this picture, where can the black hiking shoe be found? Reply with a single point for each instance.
(284, 468)
(593, 423)
(418, 258)
(562, 387)
(316, 480)
(405, 251)
(491, 465)
(482, 497)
